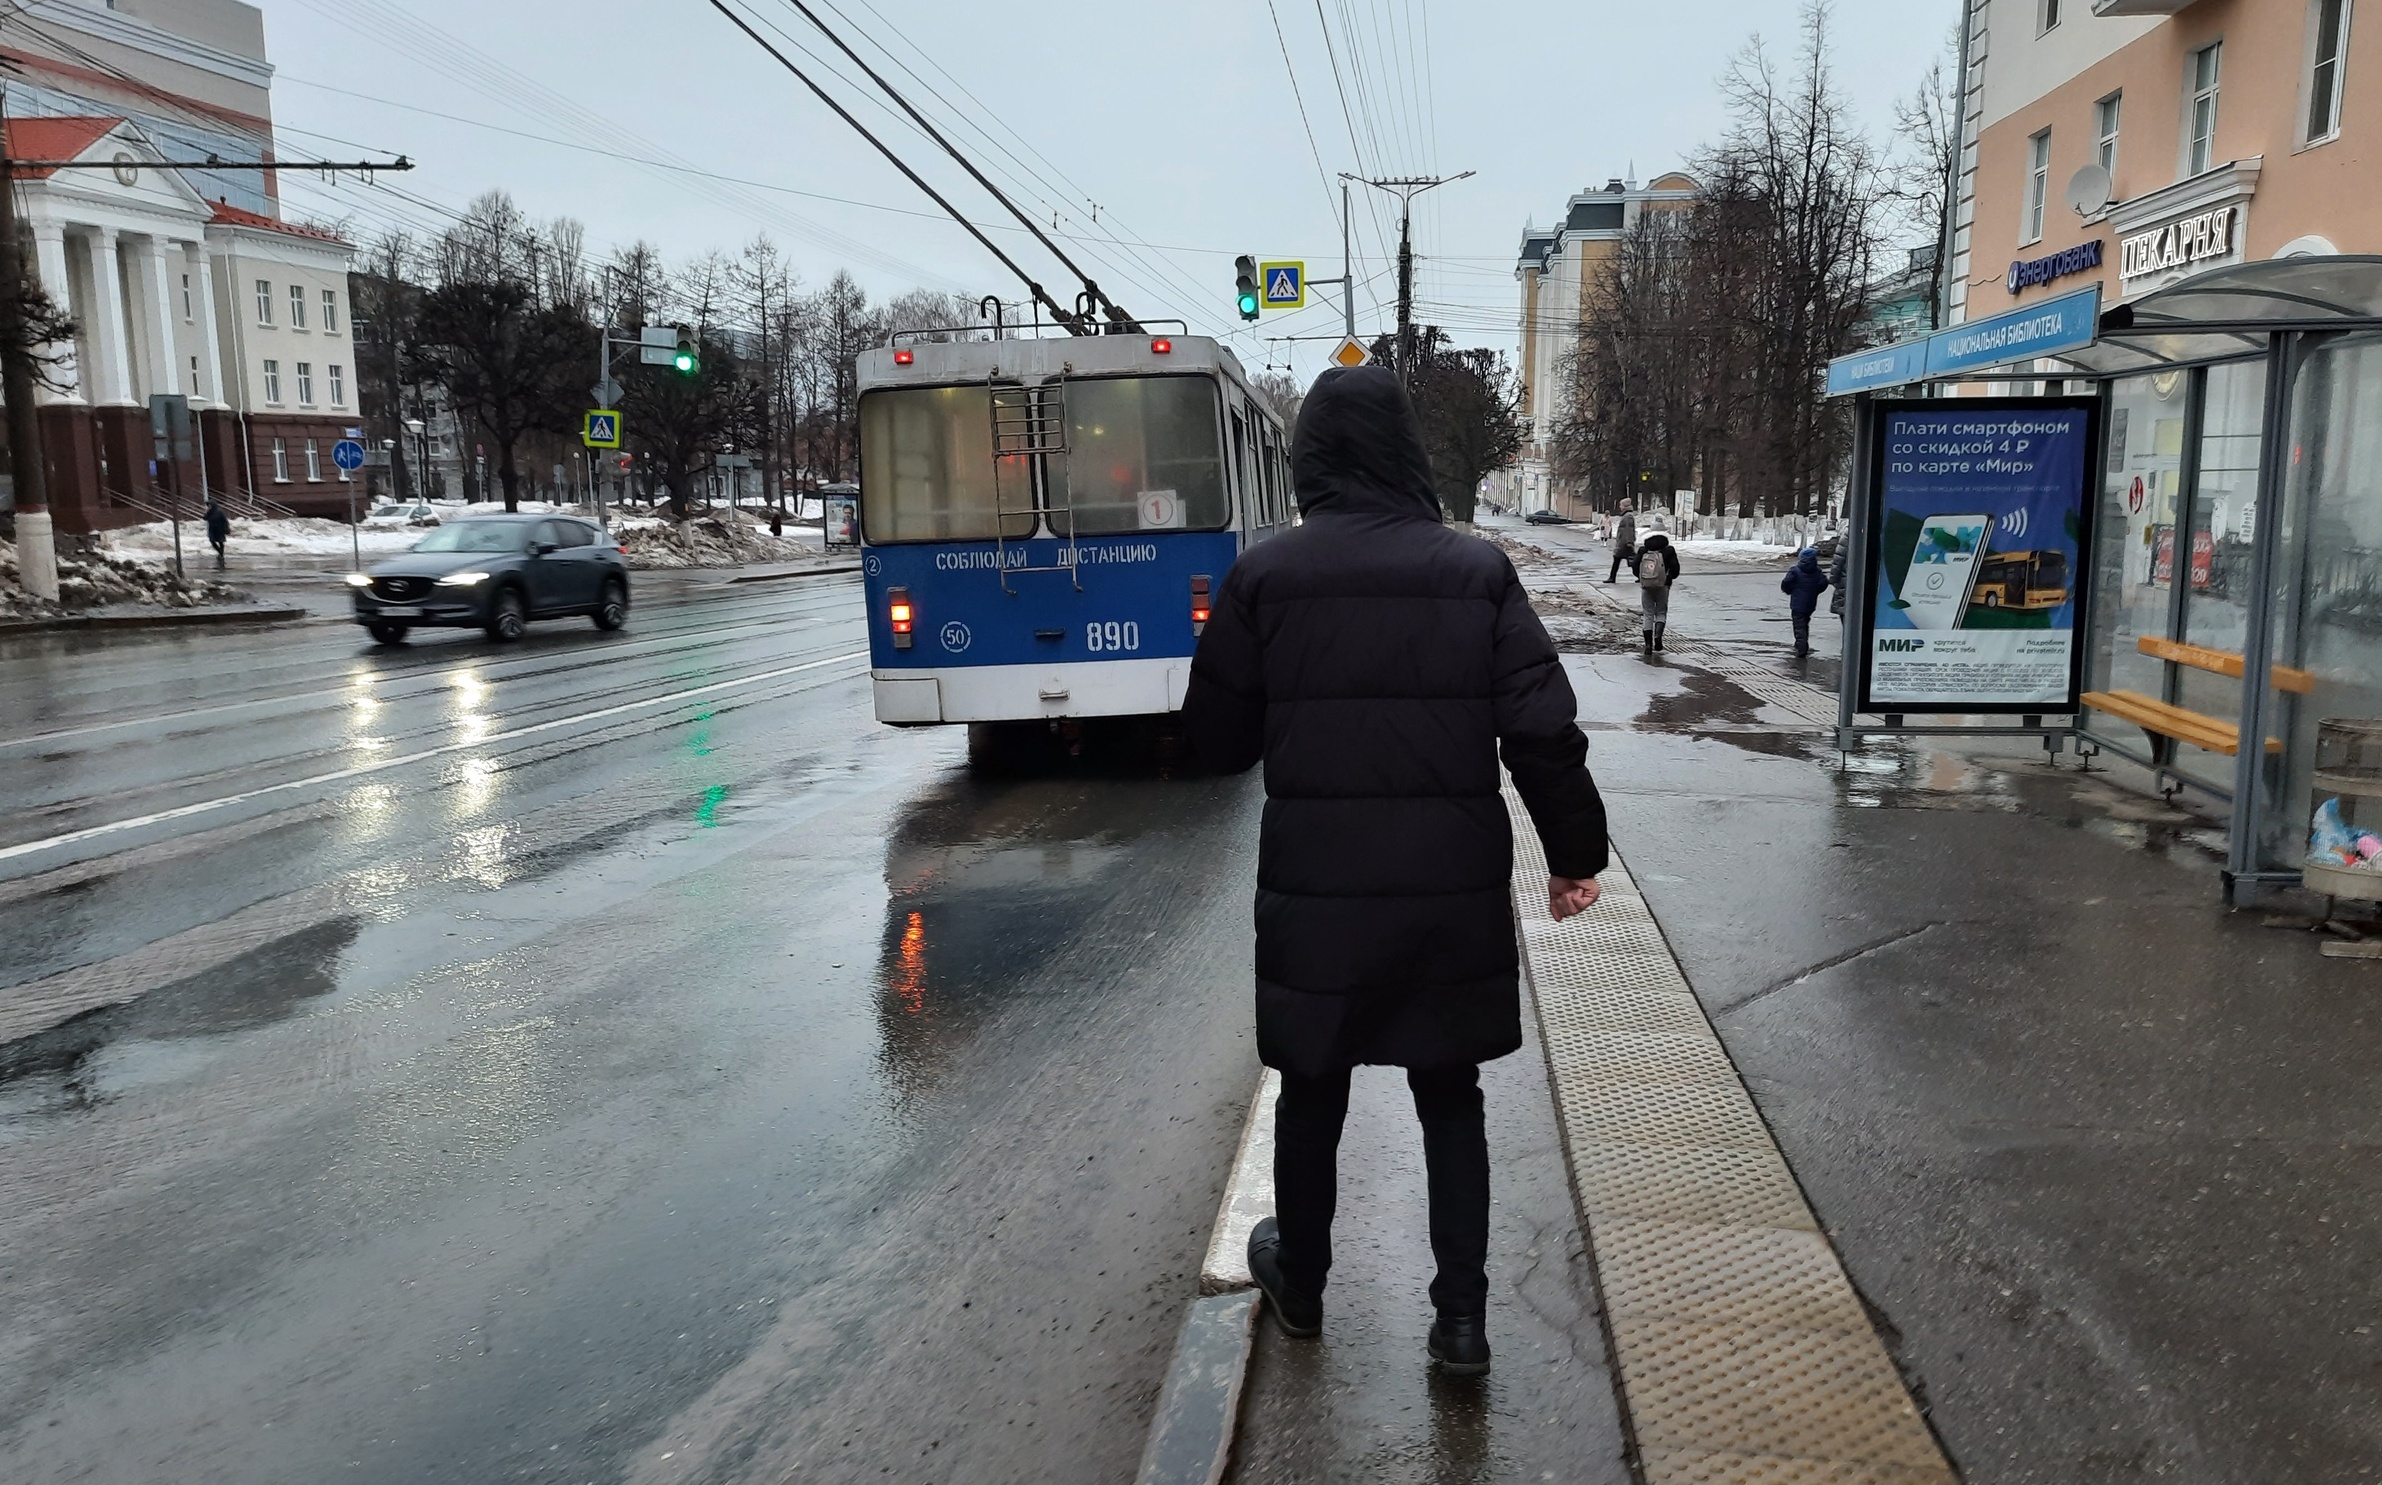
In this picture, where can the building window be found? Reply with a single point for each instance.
(189, 306)
(305, 384)
(194, 377)
(2324, 71)
(314, 463)
(2038, 184)
(264, 301)
(280, 462)
(272, 381)
(2049, 15)
(2207, 71)
(297, 306)
(338, 386)
(331, 311)
(2105, 122)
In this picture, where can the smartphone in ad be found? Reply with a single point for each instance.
(1943, 570)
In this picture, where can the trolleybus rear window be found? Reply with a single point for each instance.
(926, 469)
(1132, 438)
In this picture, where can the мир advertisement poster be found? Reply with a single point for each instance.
(1979, 542)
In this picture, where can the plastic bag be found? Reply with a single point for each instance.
(2330, 840)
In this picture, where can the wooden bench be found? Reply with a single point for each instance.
(2167, 724)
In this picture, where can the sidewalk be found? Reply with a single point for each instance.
(2096, 1155)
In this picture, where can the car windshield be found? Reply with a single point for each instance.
(474, 536)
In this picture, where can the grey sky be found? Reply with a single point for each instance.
(1177, 118)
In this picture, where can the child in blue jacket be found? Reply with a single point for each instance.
(1803, 585)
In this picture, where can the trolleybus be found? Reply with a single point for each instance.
(1043, 521)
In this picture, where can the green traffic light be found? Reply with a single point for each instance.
(685, 362)
(1248, 306)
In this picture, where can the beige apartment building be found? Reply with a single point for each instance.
(1557, 265)
(2134, 143)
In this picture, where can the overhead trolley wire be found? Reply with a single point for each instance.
(1092, 291)
(1053, 192)
(1041, 295)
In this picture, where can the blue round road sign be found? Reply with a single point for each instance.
(348, 454)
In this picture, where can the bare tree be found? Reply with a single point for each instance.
(1923, 167)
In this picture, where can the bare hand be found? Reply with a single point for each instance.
(1568, 897)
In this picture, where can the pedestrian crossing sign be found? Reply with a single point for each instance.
(1285, 285)
(601, 430)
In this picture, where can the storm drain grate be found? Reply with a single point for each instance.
(1745, 1356)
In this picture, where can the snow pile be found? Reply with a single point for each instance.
(703, 542)
(293, 536)
(107, 579)
(1721, 549)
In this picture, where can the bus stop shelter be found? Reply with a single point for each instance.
(2236, 561)
(2241, 514)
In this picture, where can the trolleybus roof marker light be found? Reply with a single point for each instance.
(1162, 346)
(904, 358)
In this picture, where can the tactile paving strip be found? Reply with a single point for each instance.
(1745, 1356)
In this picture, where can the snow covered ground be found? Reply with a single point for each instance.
(300, 536)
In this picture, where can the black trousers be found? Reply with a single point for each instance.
(1455, 1152)
(1621, 555)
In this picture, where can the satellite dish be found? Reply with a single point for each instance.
(2091, 190)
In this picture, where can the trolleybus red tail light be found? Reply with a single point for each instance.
(904, 358)
(1199, 604)
(1162, 347)
(898, 610)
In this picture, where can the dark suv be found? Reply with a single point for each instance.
(495, 572)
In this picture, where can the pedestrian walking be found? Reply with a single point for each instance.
(219, 529)
(1803, 585)
(1625, 543)
(1658, 569)
(1377, 663)
(1836, 572)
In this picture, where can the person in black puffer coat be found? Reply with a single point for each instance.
(1377, 662)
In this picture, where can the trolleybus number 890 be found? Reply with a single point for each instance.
(1111, 636)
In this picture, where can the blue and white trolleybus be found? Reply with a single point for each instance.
(1043, 520)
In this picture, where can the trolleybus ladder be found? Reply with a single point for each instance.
(1027, 422)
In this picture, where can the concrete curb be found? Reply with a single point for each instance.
(169, 619)
(779, 577)
(1199, 1408)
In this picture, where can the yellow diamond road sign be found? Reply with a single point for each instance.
(1350, 353)
(601, 430)
(1285, 284)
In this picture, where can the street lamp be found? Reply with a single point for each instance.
(417, 428)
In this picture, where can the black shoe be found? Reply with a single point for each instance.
(1460, 1344)
(1298, 1314)
(1658, 636)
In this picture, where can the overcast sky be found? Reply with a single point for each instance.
(1176, 117)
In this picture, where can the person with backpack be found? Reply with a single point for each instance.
(1803, 585)
(1658, 569)
(1625, 543)
(1380, 665)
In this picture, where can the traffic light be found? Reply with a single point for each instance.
(688, 359)
(1246, 288)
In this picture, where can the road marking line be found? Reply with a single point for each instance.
(494, 739)
(1743, 1351)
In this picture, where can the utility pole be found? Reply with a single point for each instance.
(37, 547)
(1406, 188)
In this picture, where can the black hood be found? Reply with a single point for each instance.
(1359, 447)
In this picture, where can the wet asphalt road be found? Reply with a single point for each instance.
(604, 1058)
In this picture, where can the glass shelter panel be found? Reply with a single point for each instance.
(1130, 438)
(2327, 583)
(2213, 551)
(2133, 586)
(927, 471)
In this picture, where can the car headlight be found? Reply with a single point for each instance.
(463, 579)
(359, 580)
